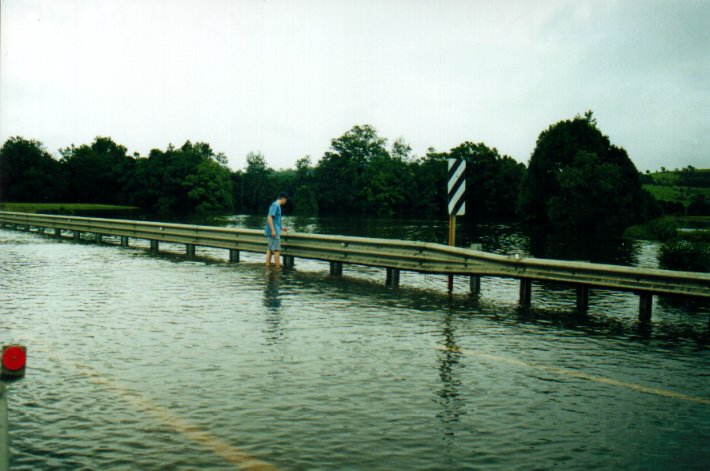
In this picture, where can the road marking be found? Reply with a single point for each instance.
(169, 418)
(579, 375)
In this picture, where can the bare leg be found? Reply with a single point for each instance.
(268, 258)
(277, 258)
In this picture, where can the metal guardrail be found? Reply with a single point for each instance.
(391, 254)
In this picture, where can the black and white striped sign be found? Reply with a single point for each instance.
(457, 187)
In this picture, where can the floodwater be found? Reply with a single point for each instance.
(141, 361)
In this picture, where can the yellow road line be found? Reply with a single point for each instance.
(192, 432)
(580, 375)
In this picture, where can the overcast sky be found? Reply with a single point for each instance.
(285, 77)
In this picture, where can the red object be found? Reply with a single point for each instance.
(14, 357)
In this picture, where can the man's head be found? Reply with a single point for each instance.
(283, 197)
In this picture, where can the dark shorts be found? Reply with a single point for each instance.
(274, 243)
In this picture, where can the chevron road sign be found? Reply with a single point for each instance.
(457, 187)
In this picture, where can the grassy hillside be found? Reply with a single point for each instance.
(679, 186)
(680, 194)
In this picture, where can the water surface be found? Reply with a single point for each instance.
(304, 371)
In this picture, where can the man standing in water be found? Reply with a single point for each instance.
(273, 229)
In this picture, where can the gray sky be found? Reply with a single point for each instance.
(285, 77)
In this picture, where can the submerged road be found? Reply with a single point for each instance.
(141, 360)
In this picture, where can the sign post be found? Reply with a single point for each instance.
(4, 441)
(12, 367)
(456, 192)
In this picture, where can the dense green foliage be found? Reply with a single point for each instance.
(578, 180)
(663, 228)
(191, 177)
(360, 174)
(96, 173)
(680, 254)
(492, 181)
(29, 173)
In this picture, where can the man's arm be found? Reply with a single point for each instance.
(270, 220)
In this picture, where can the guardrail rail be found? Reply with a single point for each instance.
(393, 255)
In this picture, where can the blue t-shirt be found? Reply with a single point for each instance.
(274, 212)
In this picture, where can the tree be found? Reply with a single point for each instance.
(492, 181)
(388, 188)
(210, 187)
(97, 173)
(340, 173)
(573, 172)
(28, 173)
(192, 177)
(586, 180)
(699, 205)
(257, 188)
(430, 174)
(305, 201)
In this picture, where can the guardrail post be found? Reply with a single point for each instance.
(289, 261)
(645, 306)
(154, 246)
(124, 241)
(525, 292)
(392, 278)
(40, 230)
(4, 440)
(475, 285)
(27, 228)
(57, 232)
(77, 235)
(98, 238)
(190, 250)
(582, 298)
(234, 255)
(336, 269)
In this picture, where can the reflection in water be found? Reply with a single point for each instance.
(501, 238)
(340, 374)
(567, 246)
(449, 373)
(272, 302)
(271, 289)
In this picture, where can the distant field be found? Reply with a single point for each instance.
(681, 194)
(672, 177)
(667, 186)
(61, 207)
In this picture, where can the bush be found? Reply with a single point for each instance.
(699, 206)
(679, 254)
(662, 229)
(672, 207)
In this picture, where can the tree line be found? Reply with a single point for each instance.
(575, 179)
